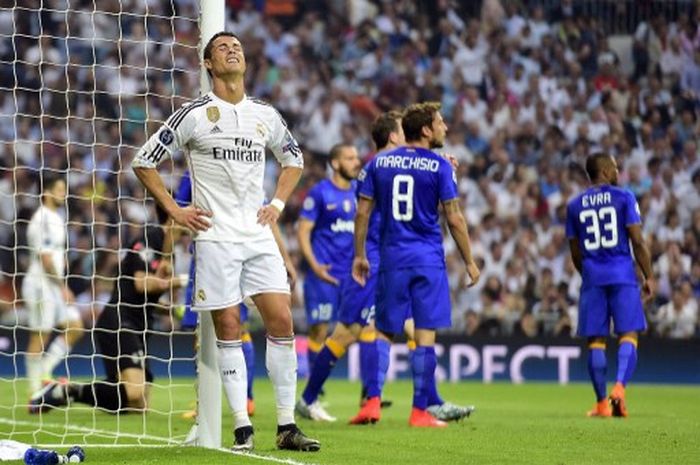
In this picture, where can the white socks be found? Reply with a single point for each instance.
(55, 354)
(40, 366)
(235, 379)
(281, 363)
(34, 367)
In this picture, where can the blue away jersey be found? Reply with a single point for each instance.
(598, 219)
(332, 211)
(407, 185)
(373, 227)
(183, 196)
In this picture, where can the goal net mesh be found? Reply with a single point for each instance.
(83, 83)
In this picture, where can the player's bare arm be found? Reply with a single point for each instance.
(289, 177)
(191, 217)
(288, 264)
(458, 229)
(152, 284)
(643, 258)
(576, 254)
(360, 265)
(321, 270)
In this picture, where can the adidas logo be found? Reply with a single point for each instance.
(215, 130)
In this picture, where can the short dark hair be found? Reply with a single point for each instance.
(595, 164)
(383, 126)
(49, 179)
(334, 154)
(210, 44)
(416, 117)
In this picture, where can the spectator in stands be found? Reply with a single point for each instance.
(678, 318)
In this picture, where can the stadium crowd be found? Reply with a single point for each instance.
(528, 92)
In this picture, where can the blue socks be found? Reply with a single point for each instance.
(312, 351)
(383, 349)
(597, 369)
(321, 370)
(369, 367)
(423, 363)
(376, 364)
(626, 360)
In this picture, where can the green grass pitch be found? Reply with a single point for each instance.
(513, 424)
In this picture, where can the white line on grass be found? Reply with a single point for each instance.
(163, 446)
(83, 429)
(170, 442)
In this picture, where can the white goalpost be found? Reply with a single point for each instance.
(208, 428)
(83, 83)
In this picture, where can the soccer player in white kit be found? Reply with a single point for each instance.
(48, 300)
(224, 135)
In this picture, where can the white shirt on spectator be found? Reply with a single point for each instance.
(677, 323)
(471, 63)
(473, 111)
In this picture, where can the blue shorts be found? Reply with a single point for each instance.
(321, 300)
(357, 302)
(421, 293)
(621, 302)
(189, 319)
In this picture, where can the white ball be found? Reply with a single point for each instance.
(74, 459)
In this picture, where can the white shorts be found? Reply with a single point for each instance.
(44, 302)
(228, 272)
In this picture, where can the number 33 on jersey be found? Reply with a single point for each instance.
(598, 218)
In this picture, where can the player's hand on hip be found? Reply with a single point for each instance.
(193, 218)
(474, 274)
(360, 270)
(268, 215)
(291, 273)
(322, 271)
(648, 289)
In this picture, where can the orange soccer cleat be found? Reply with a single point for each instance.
(251, 407)
(617, 401)
(422, 419)
(370, 412)
(600, 410)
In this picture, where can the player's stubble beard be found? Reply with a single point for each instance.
(347, 174)
(436, 143)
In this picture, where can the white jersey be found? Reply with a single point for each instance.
(225, 148)
(46, 233)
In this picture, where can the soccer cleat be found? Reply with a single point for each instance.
(290, 437)
(369, 413)
(243, 439)
(600, 410)
(422, 419)
(384, 403)
(448, 411)
(52, 395)
(251, 407)
(617, 401)
(314, 412)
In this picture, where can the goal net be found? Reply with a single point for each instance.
(83, 83)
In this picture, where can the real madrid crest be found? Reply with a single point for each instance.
(201, 296)
(260, 129)
(213, 114)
